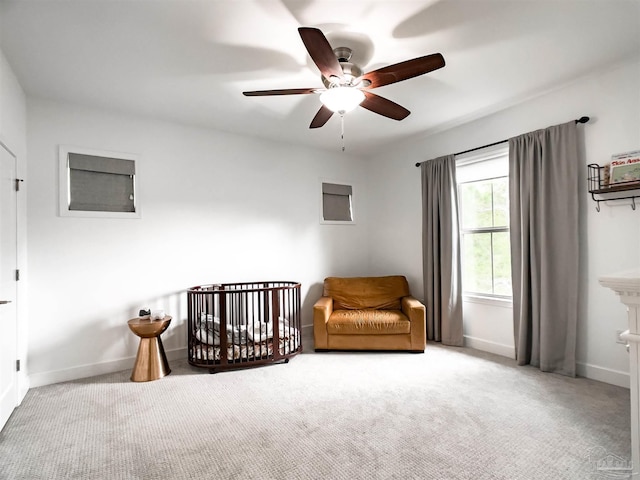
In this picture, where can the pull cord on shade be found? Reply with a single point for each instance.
(579, 120)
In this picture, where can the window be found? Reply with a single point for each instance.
(483, 197)
(97, 184)
(337, 206)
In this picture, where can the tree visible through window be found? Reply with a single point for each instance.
(484, 228)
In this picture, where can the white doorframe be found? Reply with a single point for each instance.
(8, 284)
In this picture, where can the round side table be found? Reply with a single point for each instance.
(151, 361)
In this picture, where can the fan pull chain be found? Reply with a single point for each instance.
(342, 130)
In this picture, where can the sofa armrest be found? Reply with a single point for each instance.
(322, 310)
(416, 313)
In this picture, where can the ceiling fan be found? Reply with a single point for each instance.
(346, 86)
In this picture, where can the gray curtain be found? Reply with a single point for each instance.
(543, 196)
(441, 251)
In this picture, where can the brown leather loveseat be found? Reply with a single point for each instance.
(368, 313)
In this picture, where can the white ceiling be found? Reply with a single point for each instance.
(190, 61)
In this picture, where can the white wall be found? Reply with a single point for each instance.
(215, 208)
(611, 238)
(219, 207)
(13, 134)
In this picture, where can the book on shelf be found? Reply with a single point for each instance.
(624, 169)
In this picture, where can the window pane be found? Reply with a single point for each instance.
(100, 192)
(477, 268)
(476, 204)
(483, 200)
(336, 207)
(500, 202)
(501, 264)
(485, 203)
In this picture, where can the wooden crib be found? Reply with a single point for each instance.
(235, 325)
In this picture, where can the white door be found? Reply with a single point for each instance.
(8, 286)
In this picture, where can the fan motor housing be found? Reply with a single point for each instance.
(350, 70)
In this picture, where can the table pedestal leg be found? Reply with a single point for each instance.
(151, 361)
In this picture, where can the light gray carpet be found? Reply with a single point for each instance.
(450, 413)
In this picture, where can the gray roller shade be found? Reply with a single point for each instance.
(101, 184)
(92, 163)
(336, 189)
(336, 202)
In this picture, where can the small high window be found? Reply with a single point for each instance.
(97, 184)
(337, 206)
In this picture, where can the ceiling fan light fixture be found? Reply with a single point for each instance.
(342, 99)
(344, 81)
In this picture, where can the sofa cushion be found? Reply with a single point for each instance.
(356, 293)
(368, 322)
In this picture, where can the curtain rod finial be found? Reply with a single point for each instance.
(582, 120)
(417, 164)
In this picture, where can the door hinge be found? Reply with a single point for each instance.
(17, 275)
(18, 180)
(17, 365)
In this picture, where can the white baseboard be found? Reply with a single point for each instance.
(602, 374)
(84, 371)
(23, 386)
(593, 372)
(307, 337)
(491, 347)
(307, 330)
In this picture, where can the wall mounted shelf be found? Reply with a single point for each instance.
(601, 191)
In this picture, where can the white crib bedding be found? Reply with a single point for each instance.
(249, 351)
(243, 335)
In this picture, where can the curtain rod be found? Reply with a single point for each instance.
(579, 120)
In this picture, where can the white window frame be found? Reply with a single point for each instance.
(351, 200)
(481, 156)
(65, 191)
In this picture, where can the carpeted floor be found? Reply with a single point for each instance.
(451, 413)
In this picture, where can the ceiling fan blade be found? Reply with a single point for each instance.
(403, 70)
(384, 107)
(321, 52)
(288, 91)
(323, 115)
